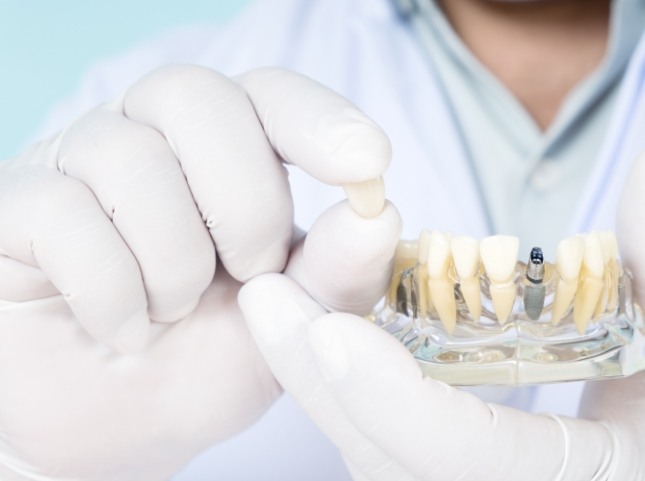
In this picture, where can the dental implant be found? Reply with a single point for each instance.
(534, 290)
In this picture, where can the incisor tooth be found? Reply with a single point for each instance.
(568, 262)
(568, 258)
(366, 198)
(499, 256)
(465, 254)
(440, 286)
(590, 282)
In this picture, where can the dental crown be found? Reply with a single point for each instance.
(473, 314)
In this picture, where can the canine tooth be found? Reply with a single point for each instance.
(590, 284)
(440, 286)
(499, 256)
(366, 198)
(568, 262)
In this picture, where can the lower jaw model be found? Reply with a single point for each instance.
(472, 314)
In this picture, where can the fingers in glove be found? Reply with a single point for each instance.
(322, 133)
(238, 184)
(279, 312)
(345, 260)
(58, 226)
(21, 282)
(140, 185)
(439, 432)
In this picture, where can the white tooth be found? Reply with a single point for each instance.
(568, 262)
(609, 245)
(440, 286)
(423, 246)
(406, 250)
(499, 255)
(465, 253)
(593, 259)
(366, 198)
(438, 255)
(591, 281)
(612, 271)
(568, 258)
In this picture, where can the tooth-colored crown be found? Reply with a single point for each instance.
(499, 256)
(568, 257)
(438, 254)
(465, 253)
(593, 259)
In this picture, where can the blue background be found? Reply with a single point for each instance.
(45, 46)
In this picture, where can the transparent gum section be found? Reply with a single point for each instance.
(522, 350)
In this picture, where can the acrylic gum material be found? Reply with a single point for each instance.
(522, 350)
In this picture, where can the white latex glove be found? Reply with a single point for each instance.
(367, 393)
(118, 221)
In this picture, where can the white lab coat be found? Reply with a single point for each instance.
(363, 50)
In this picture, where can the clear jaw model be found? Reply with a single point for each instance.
(472, 314)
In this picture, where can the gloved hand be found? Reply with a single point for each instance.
(118, 221)
(367, 393)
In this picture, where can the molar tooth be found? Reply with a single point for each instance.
(465, 254)
(590, 282)
(439, 284)
(568, 262)
(499, 256)
(366, 198)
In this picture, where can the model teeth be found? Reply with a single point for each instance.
(568, 262)
(440, 285)
(499, 256)
(465, 253)
(366, 198)
(590, 283)
(440, 266)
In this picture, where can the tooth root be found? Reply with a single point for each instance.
(564, 293)
(589, 292)
(603, 299)
(503, 298)
(472, 296)
(366, 198)
(424, 301)
(443, 297)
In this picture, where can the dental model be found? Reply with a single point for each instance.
(473, 314)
